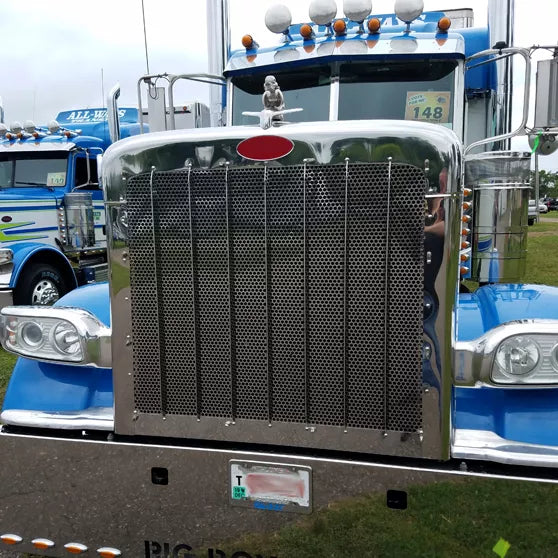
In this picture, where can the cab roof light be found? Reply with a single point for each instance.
(408, 10)
(444, 23)
(75, 548)
(306, 32)
(16, 127)
(358, 11)
(248, 42)
(322, 12)
(53, 127)
(374, 25)
(42, 544)
(29, 126)
(278, 19)
(340, 27)
(10, 538)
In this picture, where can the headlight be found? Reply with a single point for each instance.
(56, 334)
(526, 359)
(520, 353)
(518, 356)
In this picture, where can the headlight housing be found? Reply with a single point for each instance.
(56, 334)
(513, 354)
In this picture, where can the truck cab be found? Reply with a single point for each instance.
(53, 234)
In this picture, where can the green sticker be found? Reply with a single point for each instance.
(501, 548)
(239, 492)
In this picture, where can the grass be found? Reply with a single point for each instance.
(542, 254)
(465, 519)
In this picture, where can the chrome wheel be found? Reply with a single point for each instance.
(45, 293)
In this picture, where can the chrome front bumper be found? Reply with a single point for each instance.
(488, 446)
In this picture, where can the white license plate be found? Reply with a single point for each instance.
(271, 486)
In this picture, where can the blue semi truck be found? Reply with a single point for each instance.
(52, 230)
(314, 308)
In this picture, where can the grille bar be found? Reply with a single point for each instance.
(290, 294)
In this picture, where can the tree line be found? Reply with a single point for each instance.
(548, 183)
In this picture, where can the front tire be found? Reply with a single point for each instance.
(41, 285)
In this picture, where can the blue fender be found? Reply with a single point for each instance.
(54, 387)
(24, 251)
(522, 415)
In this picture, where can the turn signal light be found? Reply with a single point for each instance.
(10, 136)
(42, 544)
(467, 192)
(463, 270)
(466, 206)
(444, 23)
(340, 27)
(465, 231)
(20, 135)
(465, 245)
(466, 218)
(10, 539)
(464, 257)
(306, 31)
(374, 25)
(107, 552)
(75, 548)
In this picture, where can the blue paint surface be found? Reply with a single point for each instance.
(519, 414)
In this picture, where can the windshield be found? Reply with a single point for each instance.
(24, 170)
(304, 89)
(417, 90)
(421, 90)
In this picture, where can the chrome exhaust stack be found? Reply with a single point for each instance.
(218, 48)
(500, 28)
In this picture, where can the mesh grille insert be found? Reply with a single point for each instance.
(289, 294)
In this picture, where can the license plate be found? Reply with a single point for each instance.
(271, 486)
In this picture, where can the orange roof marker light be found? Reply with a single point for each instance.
(340, 27)
(374, 25)
(75, 548)
(107, 552)
(248, 42)
(11, 539)
(306, 32)
(444, 23)
(42, 544)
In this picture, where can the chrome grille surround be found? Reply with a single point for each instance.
(296, 403)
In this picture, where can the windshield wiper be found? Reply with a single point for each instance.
(30, 183)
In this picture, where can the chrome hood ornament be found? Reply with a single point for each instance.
(274, 105)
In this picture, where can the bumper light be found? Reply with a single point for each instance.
(56, 334)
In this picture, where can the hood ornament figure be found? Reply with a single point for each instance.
(274, 105)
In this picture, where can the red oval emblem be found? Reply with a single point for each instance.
(264, 148)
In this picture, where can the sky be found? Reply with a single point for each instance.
(60, 54)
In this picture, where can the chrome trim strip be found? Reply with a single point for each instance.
(488, 446)
(95, 336)
(334, 98)
(94, 418)
(473, 360)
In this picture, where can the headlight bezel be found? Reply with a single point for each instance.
(475, 362)
(93, 336)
